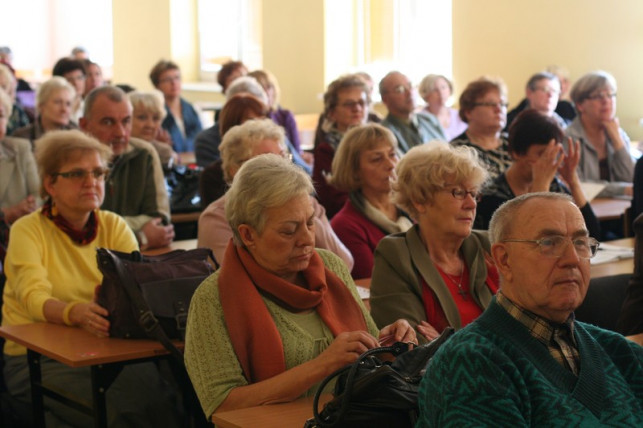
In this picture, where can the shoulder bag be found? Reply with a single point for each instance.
(374, 393)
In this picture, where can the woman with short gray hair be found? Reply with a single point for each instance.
(605, 147)
(54, 103)
(438, 273)
(265, 327)
(241, 143)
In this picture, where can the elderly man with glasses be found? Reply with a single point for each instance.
(525, 361)
(409, 128)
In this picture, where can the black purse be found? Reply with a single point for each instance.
(183, 188)
(374, 393)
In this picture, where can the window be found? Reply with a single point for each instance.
(39, 32)
(229, 30)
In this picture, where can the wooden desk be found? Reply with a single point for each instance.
(286, 415)
(186, 244)
(185, 217)
(78, 348)
(610, 208)
(618, 267)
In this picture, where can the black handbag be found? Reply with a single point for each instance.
(183, 188)
(374, 393)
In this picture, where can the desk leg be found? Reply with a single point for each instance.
(102, 378)
(35, 377)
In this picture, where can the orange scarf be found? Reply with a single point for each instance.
(253, 332)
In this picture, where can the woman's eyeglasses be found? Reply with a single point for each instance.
(82, 174)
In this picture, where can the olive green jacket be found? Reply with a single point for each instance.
(402, 259)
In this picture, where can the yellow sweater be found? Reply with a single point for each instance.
(43, 262)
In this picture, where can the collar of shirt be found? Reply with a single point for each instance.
(558, 338)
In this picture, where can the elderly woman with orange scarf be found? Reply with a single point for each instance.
(280, 315)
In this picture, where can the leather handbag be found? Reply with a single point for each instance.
(150, 296)
(374, 393)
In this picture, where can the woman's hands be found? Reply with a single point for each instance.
(612, 128)
(568, 169)
(91, 317)
(345, 349)
(348, 346)
(545, 167)
(427, 330)
(399, 331)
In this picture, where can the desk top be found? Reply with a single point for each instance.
(79, 348)
(286, 415)
(617, 267)
(610, 208)
(186, 244)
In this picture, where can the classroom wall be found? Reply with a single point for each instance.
(515, 39)
(293, 50)
(507, 38)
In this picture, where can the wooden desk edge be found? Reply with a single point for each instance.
(136, 349)
(294, 414)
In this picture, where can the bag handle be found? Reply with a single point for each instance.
(146, 319)
(396, 349)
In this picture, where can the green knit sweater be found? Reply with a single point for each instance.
(494, 373)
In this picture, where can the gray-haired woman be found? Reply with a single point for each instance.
(240, 143)
(54, 105)
(264, 328)
(605, 147)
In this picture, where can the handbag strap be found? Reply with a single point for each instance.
(146, 318)
(396, 349)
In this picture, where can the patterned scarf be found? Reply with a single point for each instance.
(80, 237)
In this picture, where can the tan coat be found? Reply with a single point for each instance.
(18, 172)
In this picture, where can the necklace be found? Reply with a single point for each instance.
(458, 284)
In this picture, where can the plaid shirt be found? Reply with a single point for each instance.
(558, 338)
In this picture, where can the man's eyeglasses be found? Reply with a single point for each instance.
(400, 89)
(350, 105)
(555, 245)
(600, 96)
(547, 90)
(500, 105)
(82, 174)
(461, 194)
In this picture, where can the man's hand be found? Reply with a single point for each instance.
(157, 234)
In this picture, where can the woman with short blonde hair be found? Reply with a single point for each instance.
(438, 273)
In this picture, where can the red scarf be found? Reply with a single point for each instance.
(80, 237)
(253, 332)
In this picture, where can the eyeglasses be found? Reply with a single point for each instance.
(547, 90)
(600, 96)
(500, 105)
(350, 105)
(169, 79)
(79, 175)
(555, 245)
(461, 194)
(400, 89)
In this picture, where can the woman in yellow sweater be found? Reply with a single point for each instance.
(52, 275)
